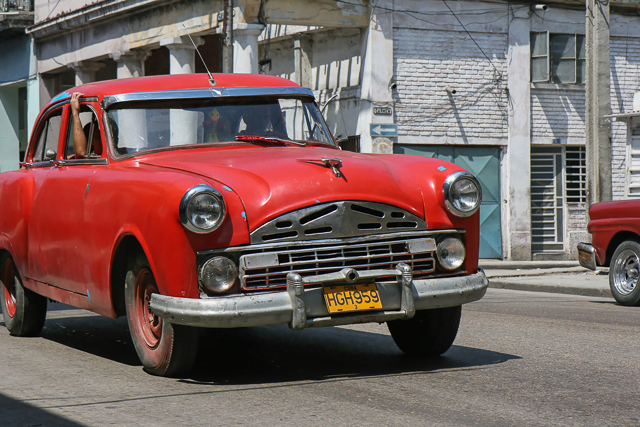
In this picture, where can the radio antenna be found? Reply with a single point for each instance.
(211, 80)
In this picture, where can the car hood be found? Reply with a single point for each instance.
(272, 181)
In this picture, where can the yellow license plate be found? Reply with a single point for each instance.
(345, 298)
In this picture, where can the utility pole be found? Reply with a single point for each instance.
(598, 102)
(227, 37)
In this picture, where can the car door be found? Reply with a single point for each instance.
(39, 164)
(60, 205)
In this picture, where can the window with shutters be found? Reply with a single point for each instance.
(558, 58)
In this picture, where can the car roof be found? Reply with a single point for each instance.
(172, 82)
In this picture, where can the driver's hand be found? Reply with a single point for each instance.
(75, 102)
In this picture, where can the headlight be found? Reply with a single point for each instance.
(451, 253)
(462, 193)
(202, 209)
(218, 274)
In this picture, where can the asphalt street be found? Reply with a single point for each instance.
(520, 358)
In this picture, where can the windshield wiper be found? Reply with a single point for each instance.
(256, 138)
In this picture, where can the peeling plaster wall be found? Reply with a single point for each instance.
(312, 12)
(136, 30)
(52, 8)
(335, 58)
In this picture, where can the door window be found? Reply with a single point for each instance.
(47, 140)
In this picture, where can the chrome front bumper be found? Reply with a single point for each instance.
(302, 307)
(587, 256)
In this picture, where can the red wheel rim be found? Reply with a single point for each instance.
(150, 324)
(9, 289)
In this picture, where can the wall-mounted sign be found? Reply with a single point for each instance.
(382, 145)
(383, 110)
(384, 130)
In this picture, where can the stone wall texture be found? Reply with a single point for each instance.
(625, 80)
(558, 114)
(427, 61)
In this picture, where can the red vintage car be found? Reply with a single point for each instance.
(615, 232)
(184, 202)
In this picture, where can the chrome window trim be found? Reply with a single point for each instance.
(70, 162)
(306, 243)
(205, 93)
(34, 165)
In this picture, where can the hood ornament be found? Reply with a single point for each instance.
(334, 164)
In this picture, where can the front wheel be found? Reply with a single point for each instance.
(623, 273)
(163, 348)
(24, 311)
(429, 333)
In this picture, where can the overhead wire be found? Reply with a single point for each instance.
(470, 99)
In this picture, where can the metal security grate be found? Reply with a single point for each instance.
(576, 174)
(328, 259)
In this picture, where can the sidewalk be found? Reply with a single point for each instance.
(565, 277)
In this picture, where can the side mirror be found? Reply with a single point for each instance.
(50, 155)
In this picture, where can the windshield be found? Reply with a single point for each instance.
(142, 126)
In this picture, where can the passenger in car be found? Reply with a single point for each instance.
(216, 128)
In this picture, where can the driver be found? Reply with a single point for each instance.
(258, 120)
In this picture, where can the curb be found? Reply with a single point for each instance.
(524, 273)
(571, 290)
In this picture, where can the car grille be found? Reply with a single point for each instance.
(342, 219)
(321, 259)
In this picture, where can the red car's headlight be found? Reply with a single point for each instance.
(462, 193)
(202, 209)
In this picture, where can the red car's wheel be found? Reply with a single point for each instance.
(164, 349)
(429, 333)
(9, 302)
(624, 273)
(24, 311)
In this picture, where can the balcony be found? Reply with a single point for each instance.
(13, 6)
(15, 17)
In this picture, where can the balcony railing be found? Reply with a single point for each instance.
(16, 6)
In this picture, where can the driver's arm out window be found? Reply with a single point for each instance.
(92, 133)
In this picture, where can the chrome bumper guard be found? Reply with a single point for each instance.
(302, 307)
(587, 256)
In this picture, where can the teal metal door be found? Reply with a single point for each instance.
(484, 164)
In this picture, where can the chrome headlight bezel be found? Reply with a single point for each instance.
(189, 197)
(449, 193)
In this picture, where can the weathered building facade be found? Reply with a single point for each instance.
(17, 73)
(497, 87)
